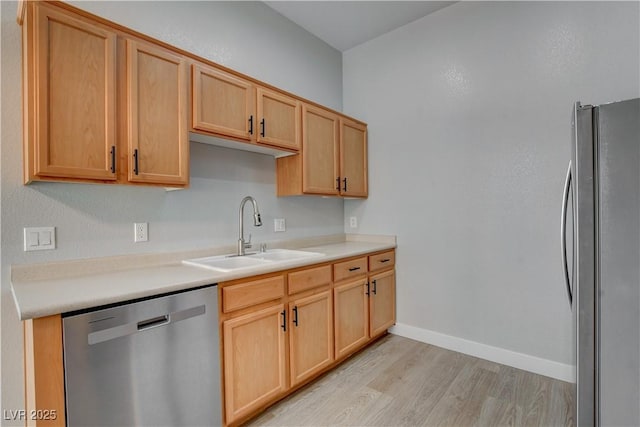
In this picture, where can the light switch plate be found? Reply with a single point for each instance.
(39, 238)
(279, 225)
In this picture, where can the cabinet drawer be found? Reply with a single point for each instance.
(250, 293)
(383, 260)
(309, 279)
(353, 268)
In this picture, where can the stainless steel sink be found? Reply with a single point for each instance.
(228, 263)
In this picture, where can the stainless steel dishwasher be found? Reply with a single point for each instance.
(147, 362)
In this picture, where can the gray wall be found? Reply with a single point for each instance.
(97, 220)
(469, 115)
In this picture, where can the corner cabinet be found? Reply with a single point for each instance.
(156, 105)
(69, 97)
(333, 161)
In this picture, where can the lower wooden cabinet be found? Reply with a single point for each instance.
(254, 360)
(351, 316)
(310, 335)
(382, 302)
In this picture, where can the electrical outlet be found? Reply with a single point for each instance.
(141, 232)
(279, 225)
(353, 222)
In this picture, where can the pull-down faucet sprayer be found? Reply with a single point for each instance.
(242, 245)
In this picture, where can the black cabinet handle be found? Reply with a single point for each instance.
(367, 289)
(295, 315)
(263, 128)
(385, 260)
(344, 180)
(354, 268)
(113, 159)
(284, 320)
(251, 125)
(374, 287)
(135, 161)
(338, 183)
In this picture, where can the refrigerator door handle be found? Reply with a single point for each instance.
(563, 233)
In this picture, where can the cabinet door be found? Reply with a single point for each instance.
(157, 115)
(279, 120)
(319, 151)
(311, 335)
(351, 317)
(254, 360)
(382, 302)
(73, 79)
(222, 103)
(353, 159)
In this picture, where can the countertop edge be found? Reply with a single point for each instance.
(28, 306)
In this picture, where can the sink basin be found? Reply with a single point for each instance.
(227, 263)
(284, 255)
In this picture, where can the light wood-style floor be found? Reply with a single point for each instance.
(401, 382)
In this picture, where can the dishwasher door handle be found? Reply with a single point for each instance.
(143, 325)
(154, 323)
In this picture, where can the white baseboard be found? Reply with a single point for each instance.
(523, 361)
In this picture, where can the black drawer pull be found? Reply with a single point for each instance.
(375, 286)
(367, 292)
(135, 161)
(385, 260)
(354, 268)
(295, 315)
(113, 159)
(251, 125)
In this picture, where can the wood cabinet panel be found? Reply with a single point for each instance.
(72, 80)
(157, 115)
(44, 370)
(351, 311)
(309, 278)
(311, 335)
(382, 302)
(254, 361)
(279, 116)
(320, 147)
(222, 103)
(352, 268)
(383, 260)
(353, 158)
(253, 292)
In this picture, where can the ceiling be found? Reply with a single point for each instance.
(345, 24)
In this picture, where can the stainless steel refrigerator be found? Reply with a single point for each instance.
(601, 258)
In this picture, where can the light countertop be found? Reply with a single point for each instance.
(45, 289)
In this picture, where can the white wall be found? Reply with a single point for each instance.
(469, 131)
(97, 220)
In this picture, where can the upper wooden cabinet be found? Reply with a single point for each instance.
(100, 107)
(156, 105)
(353, 158)
(333, 160)
(279, 119)
(232, 107)
(222, 103)
(70, 98)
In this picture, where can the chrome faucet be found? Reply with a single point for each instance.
(242, 245)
